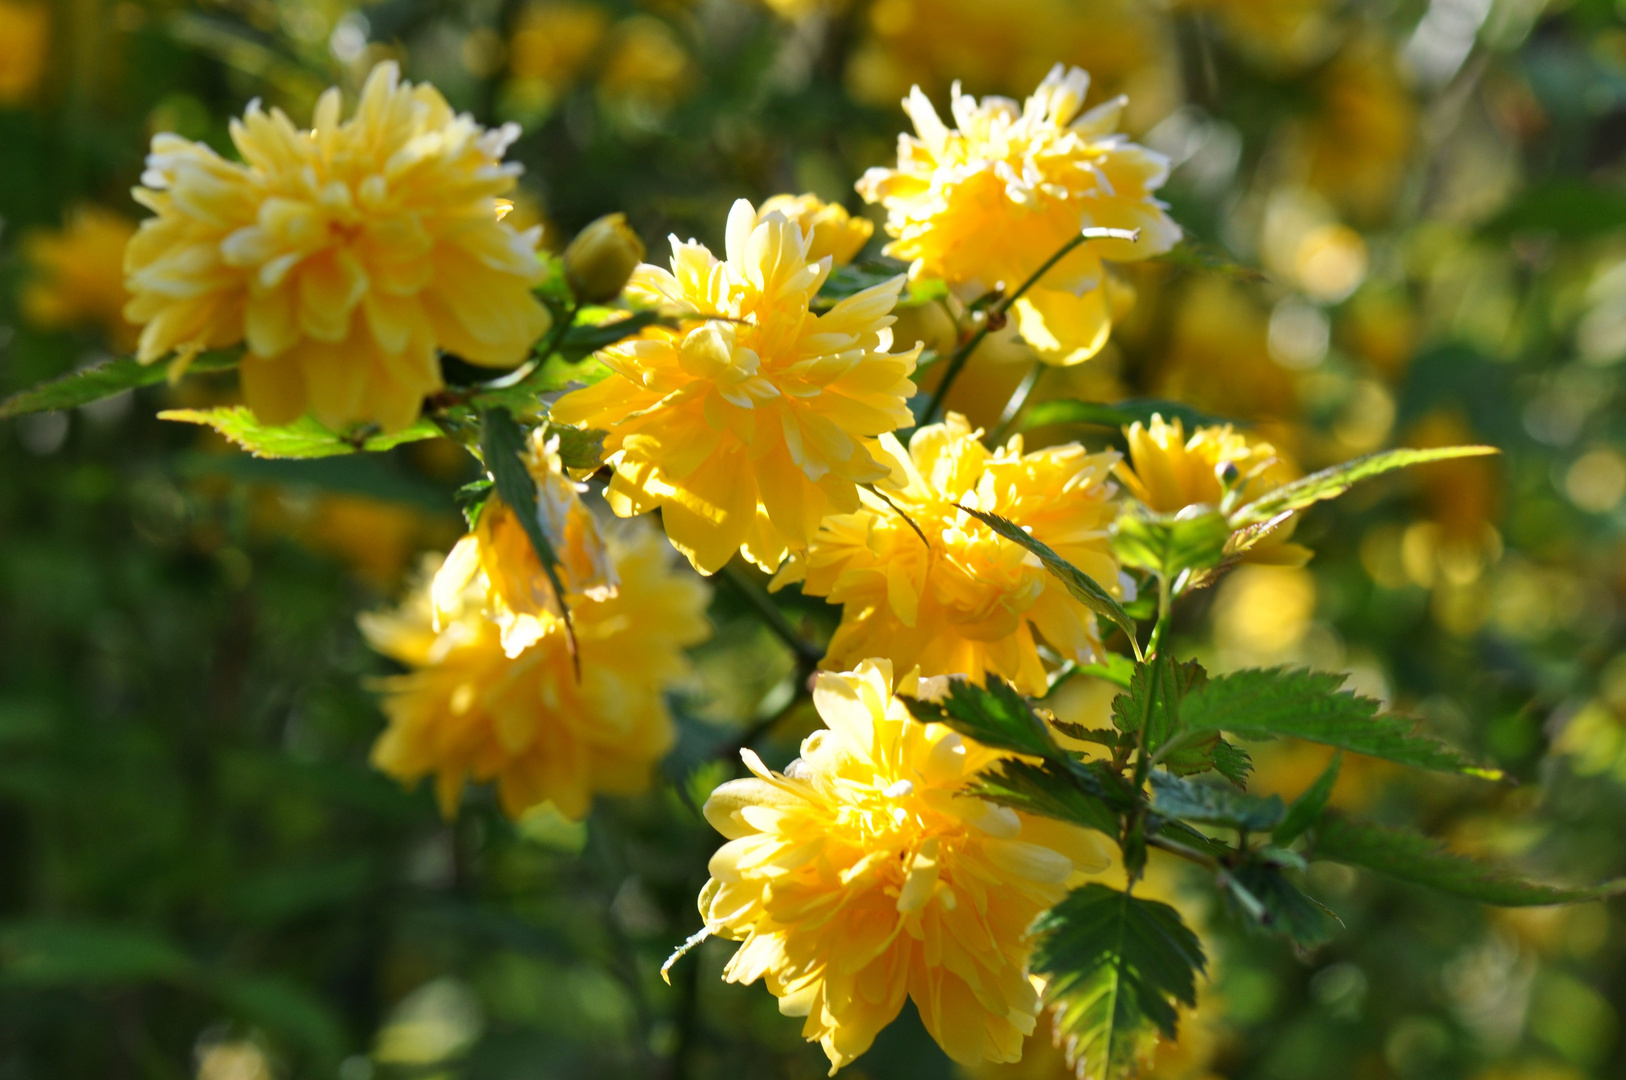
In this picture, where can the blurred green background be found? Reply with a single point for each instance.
(200, 875)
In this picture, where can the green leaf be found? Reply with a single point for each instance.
(851, 279)
(1150, 712)
(1107, 737)
(61, 953)
(1191, 255)
(1306, 809)
(1115, 966)
(1333, 482)
(1209, 804)
(99, 381)
(1116, 668)
(1170, 544)
(1117, 414)
(579, 448)
(502, 443)
(1260, 704)
(584, 339)
(1232, 762)
(1084, 588)
(996, 716)
(304, 438)
(1272, 902)
(1422, 860)
(1052, 790)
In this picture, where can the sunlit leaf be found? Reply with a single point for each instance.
(1115, 967)
(99, 381)
(995, 715)
(1117, 414)
(304, 438)
(1170, 544)
(1261, 704)
(1423, 860)
(1333, 482)
(1085, 589)
(1053, 790)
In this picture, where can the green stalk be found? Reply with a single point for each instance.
(997, 312)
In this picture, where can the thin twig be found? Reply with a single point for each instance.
(996, 312)
(1019, 400)
(751, 593)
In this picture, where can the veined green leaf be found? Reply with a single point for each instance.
(1053, 790)
(851, 279)
(1411, 856)
(1116, 668)
(1149, 712)
(1306, 809)
(585, 338)
(1271, 901)
(502, 443)
(995, 715)
(1208, 804)
(99, 381)
(1170, 544)
(579, 448)
(1232, 762)
(1115, 966)
(304, 438)
(1309, 705)
(1117, 414)
(1333, 482)
(1085, 589)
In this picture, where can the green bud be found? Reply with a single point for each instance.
(601, 258)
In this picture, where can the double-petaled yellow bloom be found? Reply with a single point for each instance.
(829, 229)
(985, 204)
(863, 874)
(963, 600)
(756, 418)
(344, 256)
(468, 711)
(1168, 472)
(520, 598)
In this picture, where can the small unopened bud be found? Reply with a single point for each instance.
(1228, 474)
(601, 258)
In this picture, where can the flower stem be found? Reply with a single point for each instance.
(807, 654)
(997, 311)
(1019, 400)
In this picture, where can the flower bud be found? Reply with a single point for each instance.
(601, 258)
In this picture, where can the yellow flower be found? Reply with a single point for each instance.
(78, 274)
(1168, 472)
(748, 424)
(862, 874)
(1006, 47)
(469, 712)
(984, 205)
(972, 603)
(25, 30)
(499, 552)
(829, 229)
(344, 256)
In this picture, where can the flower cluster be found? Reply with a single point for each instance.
(473, 709)
(756, 417)
(863, 874)
(984, 205)
(344, 256)
(923, 583)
